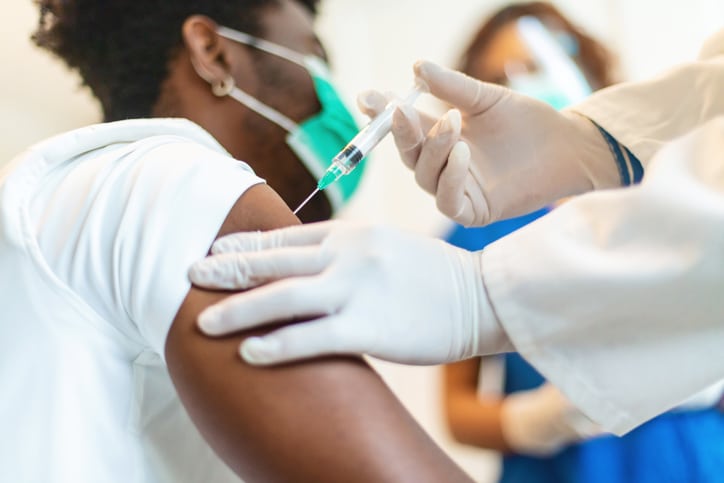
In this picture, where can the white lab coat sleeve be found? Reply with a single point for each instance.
(643, 116)
(617, 296)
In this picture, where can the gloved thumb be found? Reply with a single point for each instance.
(467, 94)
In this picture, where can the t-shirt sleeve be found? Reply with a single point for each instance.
(180, 195)
(122, 226)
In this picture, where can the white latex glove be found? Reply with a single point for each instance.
(372, 290)
(540, 422)
(499, 154)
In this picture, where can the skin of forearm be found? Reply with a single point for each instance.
(472, 420)
(477, 422)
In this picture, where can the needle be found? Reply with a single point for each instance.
(306, 201)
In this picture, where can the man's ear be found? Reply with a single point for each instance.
(208, 51)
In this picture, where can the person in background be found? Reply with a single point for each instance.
(499, 54)
(543, 437)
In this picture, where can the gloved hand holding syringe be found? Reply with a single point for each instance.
(363, 143)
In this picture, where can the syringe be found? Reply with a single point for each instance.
(361, 145)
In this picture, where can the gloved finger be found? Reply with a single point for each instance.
(298, 235)
(479, 200)
(299, 341)
(467, 94)
(450, 195)
(436, 150)
(280, 301)
(408, 133)
(372, 102)
(246, 270)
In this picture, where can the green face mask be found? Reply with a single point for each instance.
(542, 87)
(321, 137)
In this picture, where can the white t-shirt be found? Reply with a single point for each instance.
(97, 230)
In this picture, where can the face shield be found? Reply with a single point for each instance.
(555, 77)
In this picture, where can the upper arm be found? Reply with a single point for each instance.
(329, 419)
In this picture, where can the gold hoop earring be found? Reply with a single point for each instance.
(223, 87)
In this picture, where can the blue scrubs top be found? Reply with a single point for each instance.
(676, 447)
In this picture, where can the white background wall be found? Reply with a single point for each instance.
(373, 44)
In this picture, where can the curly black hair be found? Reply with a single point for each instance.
(122, 48)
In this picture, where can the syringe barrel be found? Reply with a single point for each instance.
(366, 140)
(369, 137)
(348, 159)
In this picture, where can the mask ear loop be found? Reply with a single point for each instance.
(263, 110)
(263, 45)
(227, 87)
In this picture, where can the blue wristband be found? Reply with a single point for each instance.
(629, 167)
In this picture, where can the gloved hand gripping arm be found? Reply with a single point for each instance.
(374, 290)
